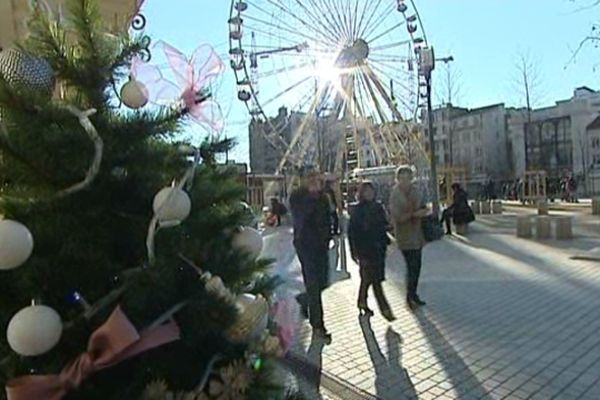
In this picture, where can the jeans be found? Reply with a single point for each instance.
(315, 270)
(413, 271)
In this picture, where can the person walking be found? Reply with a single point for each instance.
(312, 232)
(368, 238)
(407, 210)
(459, 211)
(278, 210)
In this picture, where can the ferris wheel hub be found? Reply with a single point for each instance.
(353, 55)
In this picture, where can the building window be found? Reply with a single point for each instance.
(596, 142)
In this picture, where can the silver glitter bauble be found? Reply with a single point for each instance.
(26, 73)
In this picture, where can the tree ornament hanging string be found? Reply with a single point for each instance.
(155, 223)
(86, 123)
(94, 168)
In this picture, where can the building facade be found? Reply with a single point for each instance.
(267, 139)
(15, 13)
(561, 139)
(474, 141)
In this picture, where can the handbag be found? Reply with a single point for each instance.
(432, 229)
(470, 215)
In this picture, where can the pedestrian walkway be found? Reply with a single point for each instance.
(506, 319)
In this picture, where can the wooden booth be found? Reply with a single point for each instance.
(533, 187)
(261, 188)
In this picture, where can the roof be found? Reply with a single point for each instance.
(594, 125)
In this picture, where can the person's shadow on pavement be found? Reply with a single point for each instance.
(314, 356)
(391, 379)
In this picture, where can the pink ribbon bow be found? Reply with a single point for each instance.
(193, 78)
(284, 315)
(113, 342)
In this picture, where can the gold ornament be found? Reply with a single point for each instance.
(272, 347)
(233, 383)
(253, 317)
(159, 390)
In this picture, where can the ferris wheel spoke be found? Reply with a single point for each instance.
(300, 132)
(379, 22)
(369, 19)
(305, 99)
(391, 46)
(346, 17)
(298, 18)
(388, 75)
(291, 42)
(369, 132)
(331, 18)
(374, 100)
(381, 89)
(286, 90)
(315, 19)
(362, 14)
(304, 36)
(384, 33)
(285, 25)
(355, 20)
(375, 17)
(277, 71)
(382, 138)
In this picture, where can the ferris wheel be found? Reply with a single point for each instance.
(333, 80)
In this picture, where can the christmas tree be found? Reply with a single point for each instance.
(125, 270)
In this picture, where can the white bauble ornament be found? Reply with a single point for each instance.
(16, 244)
(177, 209)
(134, 94)
(34, 330)
(248, 240)
(253, 318)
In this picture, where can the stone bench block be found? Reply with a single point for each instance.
(497, 207)
(543, 208)
(596, 206)
(524, 227)
(564, 228)
(543, 227)
(486, 208)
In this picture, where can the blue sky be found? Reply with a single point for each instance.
(484, 36)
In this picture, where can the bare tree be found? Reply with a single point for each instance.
(593, 37)
(449, 93)
(528, 82)
(527, 85)
(450, 89)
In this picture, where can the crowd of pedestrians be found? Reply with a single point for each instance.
(316, 222)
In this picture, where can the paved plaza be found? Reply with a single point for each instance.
(506, 319)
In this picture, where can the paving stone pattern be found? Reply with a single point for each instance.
(506, 319)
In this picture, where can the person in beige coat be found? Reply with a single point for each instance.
(407, 210)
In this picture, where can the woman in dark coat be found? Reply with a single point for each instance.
(368, 244)
(459, 210)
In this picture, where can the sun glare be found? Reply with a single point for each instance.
(326, 72)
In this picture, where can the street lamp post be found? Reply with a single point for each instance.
(428, 61)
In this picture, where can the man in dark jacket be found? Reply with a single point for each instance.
(312, 232)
